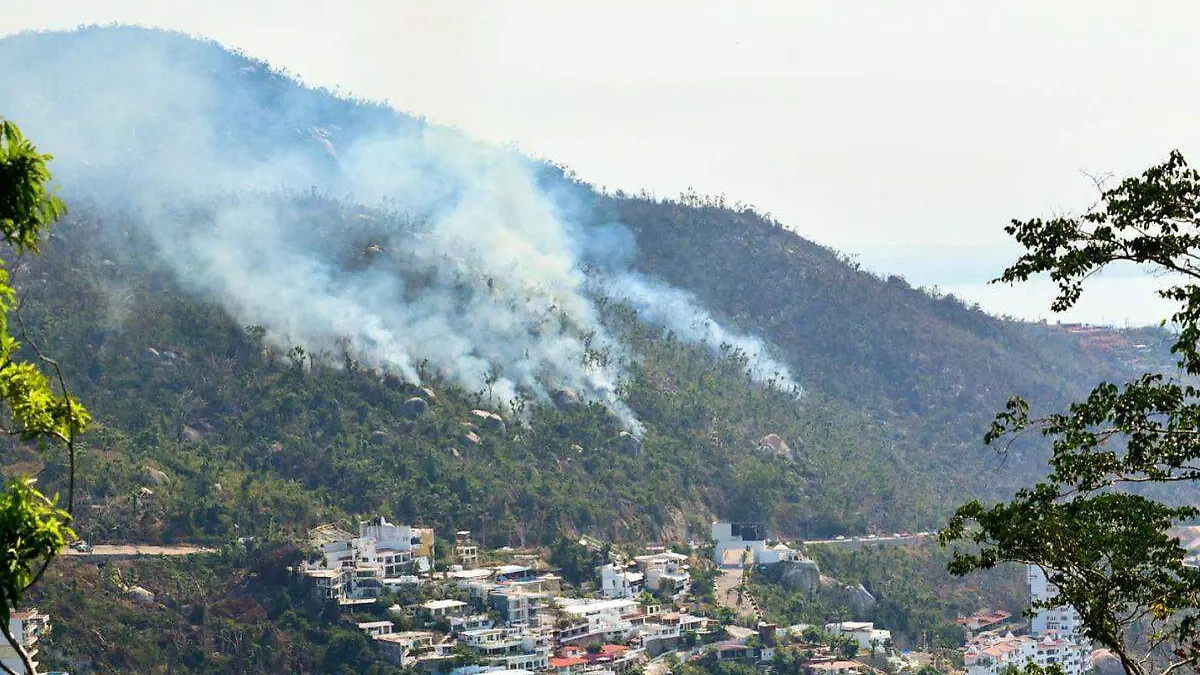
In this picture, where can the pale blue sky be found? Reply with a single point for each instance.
(907, 133)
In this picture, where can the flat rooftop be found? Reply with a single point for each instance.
(444, 604)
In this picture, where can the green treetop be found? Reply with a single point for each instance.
(33, 528)
(1089, 525)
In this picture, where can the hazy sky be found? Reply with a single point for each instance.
(907, 133)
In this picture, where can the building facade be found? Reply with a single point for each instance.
(29, 627)
(616, 582)
(383, 555)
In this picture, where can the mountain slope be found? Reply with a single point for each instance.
(224, 214)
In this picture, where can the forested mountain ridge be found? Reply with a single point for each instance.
(234, 431)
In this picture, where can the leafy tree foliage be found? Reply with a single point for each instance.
(1099, 524)
(32, 528)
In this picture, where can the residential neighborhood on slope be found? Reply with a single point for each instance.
(511, 612)
(508, 612)
(1055, 638)
(520, 617)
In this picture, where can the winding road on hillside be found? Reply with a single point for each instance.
(898, 538)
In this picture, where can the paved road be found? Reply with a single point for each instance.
(882, 539)
(134, 550)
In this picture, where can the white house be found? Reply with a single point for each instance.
(509, 647)
(616, 582)
(442, 609)
(459, 624)
(354, 569)
(736, 544)
(601, 619)
(376, 628)
(863, 632)
(673, 625)
(776, 554)
(666, 573)
(597, 612)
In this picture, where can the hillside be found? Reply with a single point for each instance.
(287, 308)
(184, 349)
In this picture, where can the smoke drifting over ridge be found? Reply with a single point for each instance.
(469, 261)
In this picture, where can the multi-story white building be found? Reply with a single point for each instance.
(666, 573)
(1071, 655)
(28, 628)
(597, 620)
(618, 582)
(1062, 620)
(739, 543)
(736, 544)
(509, 647)
(465, 550)
(359, 568)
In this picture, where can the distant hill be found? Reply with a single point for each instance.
(223, 214)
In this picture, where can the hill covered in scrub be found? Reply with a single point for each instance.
(257, 280)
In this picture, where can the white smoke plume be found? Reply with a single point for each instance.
(677, 310)
(465, 260)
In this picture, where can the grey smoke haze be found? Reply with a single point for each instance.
(465, 261)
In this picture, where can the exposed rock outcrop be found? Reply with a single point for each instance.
(629, 443)
(154, 476)
(489, 420)
(566, 398)
(805, 576)
(414, 407)
(774, 445)
(140, 595)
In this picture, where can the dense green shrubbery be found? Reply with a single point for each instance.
(238, 611)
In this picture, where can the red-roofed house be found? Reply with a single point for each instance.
(567, 665)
